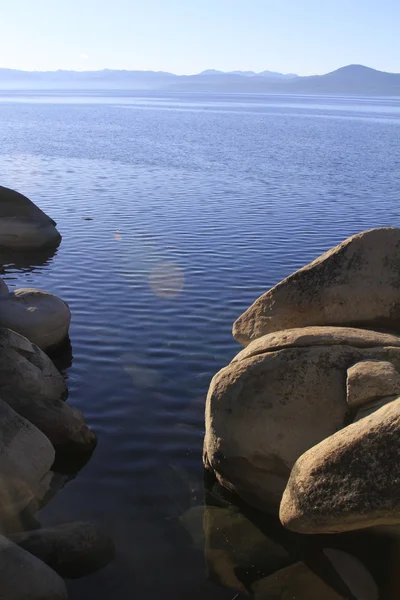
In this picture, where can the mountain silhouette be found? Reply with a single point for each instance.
(348, 80)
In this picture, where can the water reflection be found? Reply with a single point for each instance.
(26, 260)
(251, 553)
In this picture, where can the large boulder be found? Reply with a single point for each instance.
(24, 577)
(32, 386)
(350, 480)
(26, 457)
(282, 395)
(356, 284)
(72, 550)
(39, 316)
(23, 225)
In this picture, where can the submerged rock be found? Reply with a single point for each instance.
(23, 225)
(72, 550)
(351, 580)
(350, 480)
(39, 316)
(32, 386)
(282, 395)
(24, 577)
(237, 552)
(354, 284)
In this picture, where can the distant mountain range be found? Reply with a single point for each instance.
(349, 80)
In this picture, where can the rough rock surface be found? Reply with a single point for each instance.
(72, 550)
(26, 457)
(39, 316)
(23, 225)
(370, 380)
(354, 284)
(24, 577)
(350, 480)
(32, 386)
(265, 410)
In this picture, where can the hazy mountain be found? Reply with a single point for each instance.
(350, 80)
(276, 75)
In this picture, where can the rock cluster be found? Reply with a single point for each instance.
(305, 421)
(37, 426)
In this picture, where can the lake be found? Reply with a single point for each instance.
(177, 211)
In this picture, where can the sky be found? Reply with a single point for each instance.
(187, 36)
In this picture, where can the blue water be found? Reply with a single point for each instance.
(197, 205)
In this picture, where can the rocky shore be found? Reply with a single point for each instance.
(305, 421)
(37, 426)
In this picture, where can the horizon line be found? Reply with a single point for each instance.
(217, 71)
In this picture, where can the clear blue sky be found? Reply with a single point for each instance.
(188, 36)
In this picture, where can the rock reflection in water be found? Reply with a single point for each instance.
(26, 260)
(251, 553)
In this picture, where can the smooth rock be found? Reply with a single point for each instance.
(354, 574)
(370, 380)
(32, 386)
(39, 316)
(355, 284)
(277, 399)
(23, 225)
(26, 457)
(350, 480)
(296, 581)
(72, 550)
(24, 577)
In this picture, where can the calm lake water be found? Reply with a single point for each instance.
(176, 212)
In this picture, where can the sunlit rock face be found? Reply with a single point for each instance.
(313, 399)
(23, 225)
(41, 317)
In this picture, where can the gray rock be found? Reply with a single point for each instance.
(24, 577)
(23, 225)
(26, 457)
(42, 318)
(72, 550)
(350, 480)
(32, 386)
(356, 284)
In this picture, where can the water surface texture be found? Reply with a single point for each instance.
(176, 213)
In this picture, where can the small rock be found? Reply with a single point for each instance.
(24, 577)
(370, 380)
(72, 550)
(39, 316)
